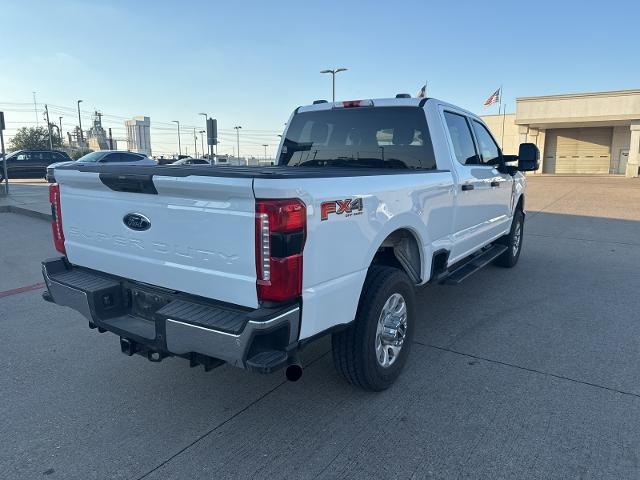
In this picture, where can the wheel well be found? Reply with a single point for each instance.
(401, 250)
(520, 204)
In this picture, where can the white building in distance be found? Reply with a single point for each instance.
(138, 135)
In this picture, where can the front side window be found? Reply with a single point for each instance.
(461, 138)
(376, 137)
(489, 151)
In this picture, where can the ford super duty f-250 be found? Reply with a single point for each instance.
(247, 265)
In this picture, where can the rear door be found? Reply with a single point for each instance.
(195, 235)
(35, 165)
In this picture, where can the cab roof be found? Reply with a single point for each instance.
(379, 102)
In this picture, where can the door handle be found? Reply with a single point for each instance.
(467, 186)
(495, 184)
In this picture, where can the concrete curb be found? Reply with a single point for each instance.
(25, 211)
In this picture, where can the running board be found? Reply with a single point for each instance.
(474, 264)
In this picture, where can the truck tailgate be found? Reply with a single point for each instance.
(200, 237)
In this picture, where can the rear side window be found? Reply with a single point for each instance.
(489, 151)
(461, 137)
(382, 137)
(128, 157)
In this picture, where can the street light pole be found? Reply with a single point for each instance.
(238, 139)
(265, 145)
(202, 132)
(3, 155)
(46, 111)
(80, 124)
(35, 107)
(209, 148)
(61, 141)
(179, 145)
(333, 79)
(195, 142)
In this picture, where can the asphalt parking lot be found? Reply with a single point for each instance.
(525, 373)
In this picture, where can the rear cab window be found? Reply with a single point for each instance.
(375, 137)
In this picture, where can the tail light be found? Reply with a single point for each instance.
(280, 236)
(56, 213)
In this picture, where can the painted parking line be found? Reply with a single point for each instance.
(15, 291)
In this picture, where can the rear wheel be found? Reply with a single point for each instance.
(373, 350)
(513, 242)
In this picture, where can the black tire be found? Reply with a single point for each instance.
(509, 258)
(354, 349)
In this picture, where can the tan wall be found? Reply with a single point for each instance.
(576, 108)
(511, 137)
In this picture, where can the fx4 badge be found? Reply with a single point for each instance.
(348, 207)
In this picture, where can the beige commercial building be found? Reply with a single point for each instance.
(578, 133)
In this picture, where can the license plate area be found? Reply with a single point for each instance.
(145, 304)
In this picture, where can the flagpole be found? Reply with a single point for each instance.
(504, 111)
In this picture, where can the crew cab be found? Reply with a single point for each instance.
(247, 265)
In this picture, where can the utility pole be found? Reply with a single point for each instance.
(179, 146)
(61, 141)
(238, 138)
(265, 145)
(110, 140)
(35, 107)
(46, 111)
(333, 78)
(81, 144)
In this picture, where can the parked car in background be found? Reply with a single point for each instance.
(31, 163)
(104, 156)
(191, 161)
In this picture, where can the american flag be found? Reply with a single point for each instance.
(494, 98)
(423, 92)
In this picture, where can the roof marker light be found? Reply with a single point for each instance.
(353, 104)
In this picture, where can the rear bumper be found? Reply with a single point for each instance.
(157, 323)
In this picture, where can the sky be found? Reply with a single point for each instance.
(250, 63)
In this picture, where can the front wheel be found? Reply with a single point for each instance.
(513, 242)
(372, 351)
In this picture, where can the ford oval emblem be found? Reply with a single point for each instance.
(137, 221)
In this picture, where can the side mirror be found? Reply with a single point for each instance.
(528, 157)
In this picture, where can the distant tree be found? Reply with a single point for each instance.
(34, 138)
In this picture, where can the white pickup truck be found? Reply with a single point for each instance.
(247, 265)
